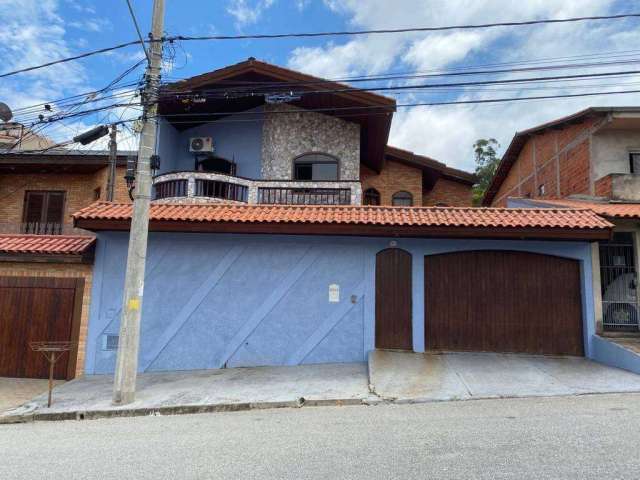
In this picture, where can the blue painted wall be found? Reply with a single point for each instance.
(242, 300)
(236, 137)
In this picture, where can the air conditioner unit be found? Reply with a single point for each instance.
(200, 144)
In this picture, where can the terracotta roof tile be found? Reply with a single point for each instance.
(45, 244)
(611, 210)
(357, 215)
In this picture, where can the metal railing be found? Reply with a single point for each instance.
(221, 190)
(170, 189)
(304, 196)
(33, 228)
(41, 228)
(619, 281)
(199, 186)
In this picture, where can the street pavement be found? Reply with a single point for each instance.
(574, 437)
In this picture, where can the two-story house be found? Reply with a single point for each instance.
(590, 159)
(223, 137)
(257, 133)
(46, 263)
(285, 230)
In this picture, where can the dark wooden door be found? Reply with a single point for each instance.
(393, 299)
(37, 309)
(503, 301)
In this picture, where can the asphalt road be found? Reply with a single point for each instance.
(562, 438)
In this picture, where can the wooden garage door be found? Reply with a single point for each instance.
(37, 309)
(503, 301)
(393, 299)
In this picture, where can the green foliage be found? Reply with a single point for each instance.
(486, 164)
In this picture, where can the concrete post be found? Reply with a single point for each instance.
(124, 388)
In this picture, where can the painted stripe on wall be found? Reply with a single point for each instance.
(324, 329)
(310, 256)
(192, 304)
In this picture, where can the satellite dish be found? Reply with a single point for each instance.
(5, 112)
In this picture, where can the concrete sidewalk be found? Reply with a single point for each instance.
(406, 377)
(390, 377)
(16, 391)
(204, 391)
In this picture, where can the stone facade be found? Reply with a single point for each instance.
(288, 135)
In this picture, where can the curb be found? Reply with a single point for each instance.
(35, 416)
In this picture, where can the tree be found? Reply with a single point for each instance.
(486, 164)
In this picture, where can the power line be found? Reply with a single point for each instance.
(405, 30)
(410, 76)
(69, 59)
(135, 23)
(324, 34)
(226, 94)
(386, 110)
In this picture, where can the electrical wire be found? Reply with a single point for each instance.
(324, 34)
(407, 30)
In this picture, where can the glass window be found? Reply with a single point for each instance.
(371, 197)
(316, 167)
(402, 199)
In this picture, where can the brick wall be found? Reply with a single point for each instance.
(15, 269)
(450, 193)
(79, 188)
(558, 159)
(604, 186)
(394, 177)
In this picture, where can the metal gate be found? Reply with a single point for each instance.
(619, 281)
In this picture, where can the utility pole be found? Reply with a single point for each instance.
(124, 388)
(113, 153)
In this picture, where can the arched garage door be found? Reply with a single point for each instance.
(503, 301)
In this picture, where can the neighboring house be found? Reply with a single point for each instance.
(17, 137)
(315, 143)
(260, 252)
(45, 263)
(587, 160)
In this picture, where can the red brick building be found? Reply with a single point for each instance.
(590, 159)
(44, 261)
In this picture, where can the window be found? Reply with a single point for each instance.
(97, 193)
(634, 161)
(43, 212)
(371, 197)
(316, 167)
(402, 199)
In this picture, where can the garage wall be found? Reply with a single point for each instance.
(241, 300)
(26, 269)
(212, 301)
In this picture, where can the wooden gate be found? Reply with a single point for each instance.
(38, 309)
(503, 301)
(393, 299)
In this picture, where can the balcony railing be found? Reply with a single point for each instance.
(304, 196)
(202, 187)
(170, 189)
(41, 228)
(222, 190)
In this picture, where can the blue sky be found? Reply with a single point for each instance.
(43, 30)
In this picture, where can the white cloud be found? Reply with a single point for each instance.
(448, 132)
(246, 13)
(34, 33)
